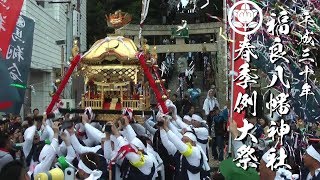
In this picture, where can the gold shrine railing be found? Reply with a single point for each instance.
(140, 104)
(93, 103)
(146, 102)
(134, 104)
(98, 103)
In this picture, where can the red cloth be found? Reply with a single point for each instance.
(238, 117)
(123, 151)
(4, 150)
(81, 133)
(136, 96)
(10, 12)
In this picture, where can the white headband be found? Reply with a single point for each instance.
(313, 153)
(82, 166)
(286, 173)
(186, 117)
(197, 118)
(191, 136)
(94, 174)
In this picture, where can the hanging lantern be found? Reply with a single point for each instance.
(55, 86)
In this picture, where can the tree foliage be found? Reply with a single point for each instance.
(97, 9)
(96, 24)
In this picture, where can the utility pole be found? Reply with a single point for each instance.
(225, 9)
(69, 31)
(69, 42)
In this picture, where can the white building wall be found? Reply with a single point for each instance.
(46, 54)
(41, 82)
(50, 26)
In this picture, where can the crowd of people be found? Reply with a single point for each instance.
(163, 146)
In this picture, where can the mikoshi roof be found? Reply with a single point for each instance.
(111, 48)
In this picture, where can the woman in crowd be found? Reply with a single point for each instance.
(208, 106)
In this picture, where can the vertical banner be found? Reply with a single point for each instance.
(238, 117)
(245, 18)
(18, 57)
(8, 94)
(9, 14)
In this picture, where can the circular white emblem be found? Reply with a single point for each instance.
(243, 21)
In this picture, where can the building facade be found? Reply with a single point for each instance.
(52, 35)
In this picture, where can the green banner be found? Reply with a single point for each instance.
(183, 33)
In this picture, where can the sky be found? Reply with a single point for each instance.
(184, 2)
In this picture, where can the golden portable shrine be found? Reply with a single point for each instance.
(113, 76)
(116, 76)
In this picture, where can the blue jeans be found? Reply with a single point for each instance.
(218, 142)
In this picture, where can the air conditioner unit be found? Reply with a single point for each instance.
(68, 103)
(76, 23)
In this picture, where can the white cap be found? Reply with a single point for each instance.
(191, 136)
(197, 118)
(186, 117)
